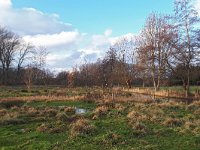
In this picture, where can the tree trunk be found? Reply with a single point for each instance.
(187, 92)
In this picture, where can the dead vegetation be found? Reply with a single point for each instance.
(81, 127)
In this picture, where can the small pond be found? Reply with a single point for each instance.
(80, 111)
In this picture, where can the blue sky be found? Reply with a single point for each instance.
(94, 16)
(77, 30)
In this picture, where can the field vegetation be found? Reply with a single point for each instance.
(122, 122)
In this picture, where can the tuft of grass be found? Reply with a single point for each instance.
(3, 112)
(173, 122)
(194, 105)
(101, 111)
(43, 127)
(70, 110)
(51, 112)
(81, 127)
(119, 107)
(62, 117)
(134, 117)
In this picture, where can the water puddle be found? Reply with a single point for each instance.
(80, 111)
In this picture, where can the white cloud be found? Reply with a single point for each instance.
(197, 5)
(108, 32)
(54, 40)
(29, 21)
(5, 4)
(67, 46)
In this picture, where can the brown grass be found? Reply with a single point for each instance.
(119, 107)
(173, 122)
(70, 110)
(43, 127)
(42, 98)
(62, 117)
(194, 105)
(81, 127)
(101, 111)
(135, 117)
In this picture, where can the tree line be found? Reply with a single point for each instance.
(164, 53)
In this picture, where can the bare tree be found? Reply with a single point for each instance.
(124, 47)
(186, 50)
(33, 69)
(154, 48)
(9, 43)
(23, 54)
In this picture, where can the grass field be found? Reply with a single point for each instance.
(124, 123)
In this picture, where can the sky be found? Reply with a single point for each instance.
(74, 31)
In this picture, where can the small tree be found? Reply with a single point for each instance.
(28, 76)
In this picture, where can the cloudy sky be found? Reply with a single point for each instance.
(77, 30)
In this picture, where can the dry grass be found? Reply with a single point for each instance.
(81, 127)
(50, 112)
(100, 112)
(190, 125)
(43, 127)
(173, 122)
(140, 127)
(194, 105)
(42, 98)
(3, 112)
(70, 110)
(135, 117)
(119, 107)
(11, 118)
(171, 105)
(62, 117)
